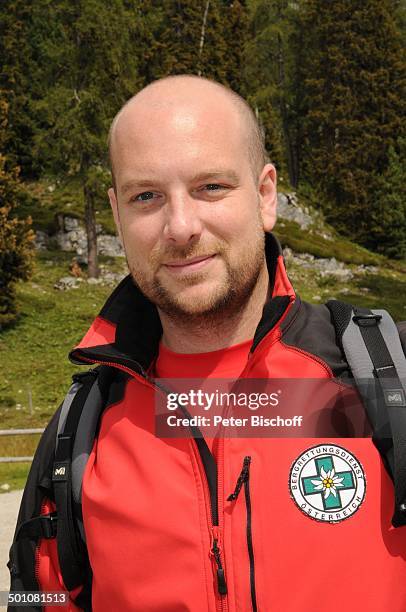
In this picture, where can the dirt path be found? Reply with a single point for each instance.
(9, 506)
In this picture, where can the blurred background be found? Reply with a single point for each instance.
(326, 79)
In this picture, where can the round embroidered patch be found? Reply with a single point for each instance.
(327, 483)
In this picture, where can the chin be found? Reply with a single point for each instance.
(198, 303)
(193, 303)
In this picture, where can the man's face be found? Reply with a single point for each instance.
(188, 208)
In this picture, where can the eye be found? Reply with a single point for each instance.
(212, 188)
(144, 196)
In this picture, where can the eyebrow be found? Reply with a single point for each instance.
(128, 185)
(200, 176)
(217, 173)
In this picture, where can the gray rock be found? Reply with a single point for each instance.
(323, 266)
(289, 209)
(341, 275)
(73, 238)
(107, 278)
(41, 240)
(367, 269)
(110, 245)
(70, 223)
(94, 281)
(67, 282)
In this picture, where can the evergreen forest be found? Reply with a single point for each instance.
(326, 79)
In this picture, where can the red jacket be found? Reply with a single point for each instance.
(162, 534)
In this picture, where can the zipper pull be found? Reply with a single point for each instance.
(241, 479)
(215, 551)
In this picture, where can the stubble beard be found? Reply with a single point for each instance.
(224, 302)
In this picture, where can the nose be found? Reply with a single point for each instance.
(182, 223)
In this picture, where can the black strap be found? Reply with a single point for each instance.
(43, 526)
(387, 375)
(384, 368)
(71, 551)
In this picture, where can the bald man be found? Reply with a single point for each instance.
(191, 208)
(152, 520)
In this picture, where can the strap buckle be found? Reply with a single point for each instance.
(366, 320)
(48, 525)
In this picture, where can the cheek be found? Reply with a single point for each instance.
(238, 224)
(140, 239)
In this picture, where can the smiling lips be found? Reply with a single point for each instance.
(189, 265)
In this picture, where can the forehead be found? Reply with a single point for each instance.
(177, 134)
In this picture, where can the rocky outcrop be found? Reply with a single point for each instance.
(327, 266)
(71, 236)
(106, 278)
(288, 208)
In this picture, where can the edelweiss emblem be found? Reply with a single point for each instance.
(327, 483)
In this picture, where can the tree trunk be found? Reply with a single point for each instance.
(284, 114)
(202, 36)
(90, 222)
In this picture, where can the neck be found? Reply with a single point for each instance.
(213, 333)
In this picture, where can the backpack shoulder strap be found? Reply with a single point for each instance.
(79, 418)
(372, 347)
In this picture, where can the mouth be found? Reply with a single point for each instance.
(188, 265)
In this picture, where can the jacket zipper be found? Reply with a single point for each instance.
(244, 479)
(215, 531)
(221, 581)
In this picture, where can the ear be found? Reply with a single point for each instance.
(268, 199)
(114, 208)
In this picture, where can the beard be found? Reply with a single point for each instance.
(230, 293)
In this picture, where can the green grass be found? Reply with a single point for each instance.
(13, 474)
(34, 351)
(290, 235)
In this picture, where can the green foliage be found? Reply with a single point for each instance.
(193, 37)
(23, 28)
(90, 72)
(353, 75)
(269, 73)
(16, 237)
(388, 233)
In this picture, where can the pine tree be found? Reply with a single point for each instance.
(269, 73)
(389, 206)
(89, 70)
(16, 237)
(22, 33)
(235, 23)
(353, 106)
(193, 37)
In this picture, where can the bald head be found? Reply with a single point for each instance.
(179, 95)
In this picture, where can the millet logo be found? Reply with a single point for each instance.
(60, 471)
(395, 397)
